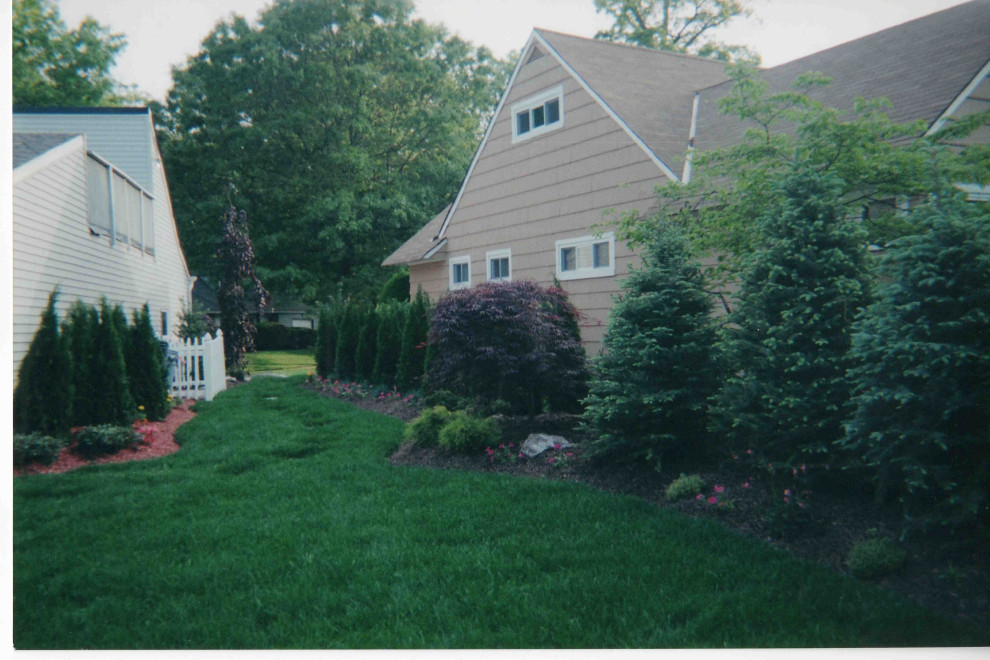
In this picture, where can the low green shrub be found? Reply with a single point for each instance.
(685, 486)
(36, 448)
(875, 558)
(466, 433)
(277, 337)
(425, 429)
(105, 439)
(448, 400)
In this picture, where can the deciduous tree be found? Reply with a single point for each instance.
(679, 26)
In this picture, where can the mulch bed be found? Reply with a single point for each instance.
(951, 576)
(161, 442)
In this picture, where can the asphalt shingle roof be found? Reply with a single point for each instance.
(920, 66)
(651, 90)
(28, 146)
(416, 247)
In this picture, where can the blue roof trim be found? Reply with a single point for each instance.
(77, 110)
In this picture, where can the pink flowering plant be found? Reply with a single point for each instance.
(560, 459)
(503, 454)
(718, 497)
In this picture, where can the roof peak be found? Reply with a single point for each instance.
(644, 49)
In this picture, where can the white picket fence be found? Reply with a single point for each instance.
(197, 367)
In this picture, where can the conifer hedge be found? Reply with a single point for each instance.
(44, 394)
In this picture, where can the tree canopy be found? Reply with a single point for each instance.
(679, 26)
(343, 127)
(52, 65)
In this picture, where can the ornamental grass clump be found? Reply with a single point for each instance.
(425, 429)
(685, 487)
(875, 558)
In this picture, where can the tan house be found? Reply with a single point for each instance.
(588, 127)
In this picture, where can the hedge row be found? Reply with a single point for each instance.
(94, 369)
(384, 344)
(278, 337)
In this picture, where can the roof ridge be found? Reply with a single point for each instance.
(645, 49)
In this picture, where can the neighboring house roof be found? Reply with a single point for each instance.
(920, 66)
(422, 243)
(122, 136)
(28, 146)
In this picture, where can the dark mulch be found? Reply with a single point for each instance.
(951, 576)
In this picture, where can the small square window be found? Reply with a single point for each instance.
(568, 258)
(460, 272)
(538, 118)
(601, 256)
(522, 123)
(553, 111)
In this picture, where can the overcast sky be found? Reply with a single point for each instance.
(163, 33)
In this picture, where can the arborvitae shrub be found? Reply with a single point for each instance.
(412, 354)
(789, 393)
(79, 331)
(108, 373)
(466, 433)
(146, 368)
(515, 341)
(44, 393)
(396, 288)
(921, 419)
(660, 369)
(391, 320)
(367, 345)
(347, 340)
(326, 340)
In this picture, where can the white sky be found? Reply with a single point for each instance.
(163, 33)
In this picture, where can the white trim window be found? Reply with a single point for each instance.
(460, 272)
(538, 114)
(586, 256)
(499, 265)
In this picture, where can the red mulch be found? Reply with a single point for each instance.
(161, 443)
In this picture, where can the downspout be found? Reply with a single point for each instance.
(686, 174)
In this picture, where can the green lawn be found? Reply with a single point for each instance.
(281, 524)
(286, 363)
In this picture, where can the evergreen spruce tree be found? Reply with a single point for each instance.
(146, 369)
(347, 340)
(921, 420)
(113, 403)
(43, 396)
(391, 321)
(412, 352)
(79, 330)
(799, 296)
(659, 371)
(367, 344)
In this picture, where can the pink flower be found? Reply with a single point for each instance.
(735, 457)
(712, 500)
(699, 497)
(794, 471)
(719, 489)
(801, 504)
(550, 461)
(787, 492)
(570, 453)
(746, 485)
(556, 445)
(804, 468)
(749, 451)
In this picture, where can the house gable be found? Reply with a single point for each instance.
(55, 245)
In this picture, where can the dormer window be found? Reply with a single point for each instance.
(538, 114)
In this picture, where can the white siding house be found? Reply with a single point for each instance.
(92, 216)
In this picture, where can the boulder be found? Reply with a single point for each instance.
(537, 443)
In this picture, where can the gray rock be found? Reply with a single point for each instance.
(537, 443)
